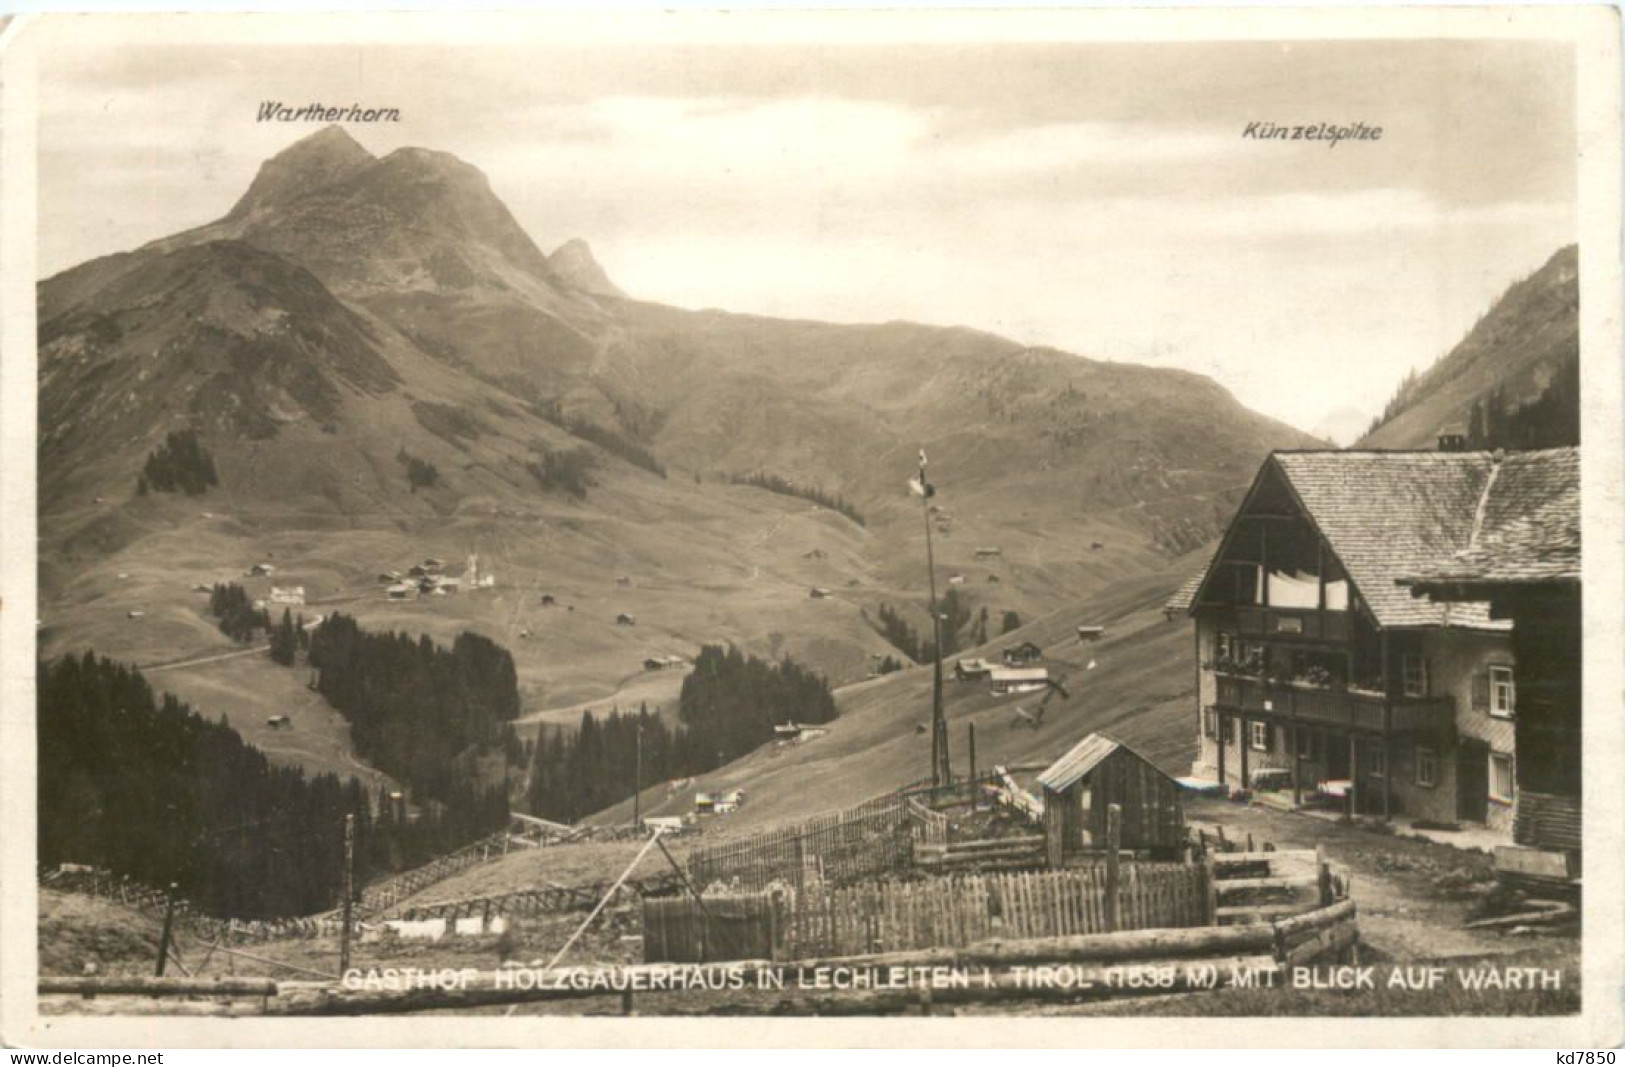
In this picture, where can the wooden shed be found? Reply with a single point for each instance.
(1098, 771)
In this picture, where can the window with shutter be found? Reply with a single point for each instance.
(1502, 698)
(1481, 691)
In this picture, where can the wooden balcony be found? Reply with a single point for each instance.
(1302, 624)
(1352, 709)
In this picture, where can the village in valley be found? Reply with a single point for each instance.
(427, 625)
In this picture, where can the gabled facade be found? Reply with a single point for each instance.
(1319, 676)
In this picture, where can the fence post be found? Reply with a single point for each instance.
(1323, 873)
(169, 925)
(1210, 894)
(349, 892)
(1114, 838)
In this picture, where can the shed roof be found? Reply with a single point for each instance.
(1082, 758)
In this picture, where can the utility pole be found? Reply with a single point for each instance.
(941, 772)
(349, 892)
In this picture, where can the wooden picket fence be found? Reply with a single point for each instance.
(930, 827)
(868, 841)
(958, 911)
(932, 913)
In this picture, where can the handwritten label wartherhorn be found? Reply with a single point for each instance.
(1330, 132)
(277, 111)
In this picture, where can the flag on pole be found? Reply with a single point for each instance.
(918, 485)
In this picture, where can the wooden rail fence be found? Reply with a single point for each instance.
(868, 841)
(947, 856)
(187, 918)
(542, 899)
(384, 894)
(375, 900)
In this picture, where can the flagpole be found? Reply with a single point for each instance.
(941, 772)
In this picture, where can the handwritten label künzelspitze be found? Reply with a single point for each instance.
(1329, 132)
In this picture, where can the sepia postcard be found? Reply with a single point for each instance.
(812, 528)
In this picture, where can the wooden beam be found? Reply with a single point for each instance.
(1354, 775)
(1114, 840)
(1227, 884)
(1246, 743)
(157, 987)
(1263, 571)
(1266, 911)
(1273, 858)
(1297, 765)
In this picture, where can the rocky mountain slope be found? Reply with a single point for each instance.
(353, 312)
(1521, 345)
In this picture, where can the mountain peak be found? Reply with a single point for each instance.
(311, 163)
(574, 262)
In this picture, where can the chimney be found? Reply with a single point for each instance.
(1451, 439)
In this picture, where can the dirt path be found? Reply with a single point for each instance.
(152, 668)
(1405, 911)
(176, 665)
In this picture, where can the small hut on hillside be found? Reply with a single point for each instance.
(1022, 654)
(1099, 771)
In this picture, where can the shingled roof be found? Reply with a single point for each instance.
(1528, 531)
(1387, 515)
(1180, 603)
(1082, 758)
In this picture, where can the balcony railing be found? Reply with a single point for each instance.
(1348, 708)
(1309, 624)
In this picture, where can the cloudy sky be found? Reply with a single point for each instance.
(1099, 198)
